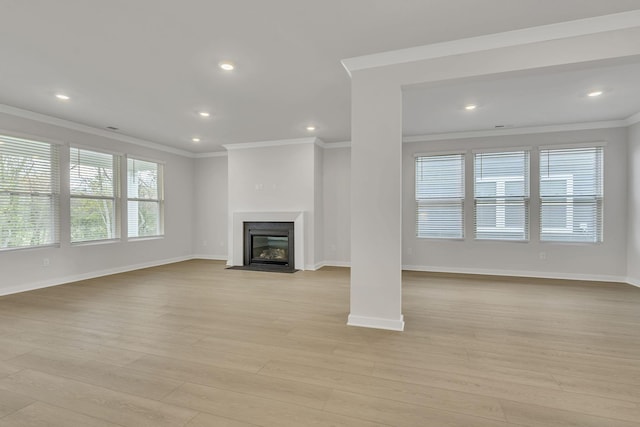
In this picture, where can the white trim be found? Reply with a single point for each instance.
(610, 124)
(17, 112)
(86, 276)
(212, 154)
(32, 137)
(346, 264)
(593, 144)
(144, 159)
(560, 30)
(342, 144)
(518, 273)
(97, 150)
(440, 153)
(236, 242)
(210, 257)
(275, 143)
(633, 281)
(314, 267)
(376, 322)
(495, 150)
(516, 131)
(632, 120)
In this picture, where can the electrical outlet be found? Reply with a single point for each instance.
(46, 262)
(542, 255)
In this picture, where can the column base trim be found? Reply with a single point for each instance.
(376, 322)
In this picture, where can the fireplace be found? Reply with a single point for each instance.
(269, 246)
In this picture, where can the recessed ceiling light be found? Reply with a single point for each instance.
(594, 93)
(204, 114)
(227, 66)
(311, 128)
(470, 107)
(62, 97)
(195, 139)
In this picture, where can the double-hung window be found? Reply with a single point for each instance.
(29, 193)
(145, 199)
(571, 194)
(94, 191)
(440, 196)
(501, 195)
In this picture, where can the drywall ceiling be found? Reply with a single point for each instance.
(147, 67)
(543, 98)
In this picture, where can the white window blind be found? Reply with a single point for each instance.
(94, 190)
(145, 198)
(501, 195)
(440, 196)
(571, 194)
(29, 193)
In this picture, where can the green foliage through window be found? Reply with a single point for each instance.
(29, 193)
(93, 178)
(145, 201)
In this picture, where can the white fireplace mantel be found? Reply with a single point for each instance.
(236, 255)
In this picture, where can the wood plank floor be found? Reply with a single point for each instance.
(192, 344)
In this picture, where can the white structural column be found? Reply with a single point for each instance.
(376, 131)
(376, 203)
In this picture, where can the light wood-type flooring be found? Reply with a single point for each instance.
(192, 344)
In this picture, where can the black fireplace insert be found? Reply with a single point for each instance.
(269, 246)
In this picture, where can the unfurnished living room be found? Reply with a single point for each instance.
(337, 213)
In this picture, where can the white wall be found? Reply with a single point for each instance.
(337, 206)
(633, 234)
(23, 269)
(274, 179)
(318, 207)
(605, 261)
(210, 240)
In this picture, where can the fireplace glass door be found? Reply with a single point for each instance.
(269, 245)
(270, 248)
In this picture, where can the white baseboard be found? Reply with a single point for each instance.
(518, 273)
(633, 281)
(91, 275)
(210, 257)
(337, 264)
(376, 322)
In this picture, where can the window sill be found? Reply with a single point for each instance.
(144, 238)
(96, 242)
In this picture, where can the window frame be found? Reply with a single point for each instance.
(116, 198)
(503, 200)
(457, 201)
(159, 200)
(596, 199)
(55, 187)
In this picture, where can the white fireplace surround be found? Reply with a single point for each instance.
(236, 254)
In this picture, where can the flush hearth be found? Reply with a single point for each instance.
(269, 246)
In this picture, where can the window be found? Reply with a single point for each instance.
(440, 196)
(571, 194)
(29, 193)
(94, 190)
(145, 198)
(501, 195)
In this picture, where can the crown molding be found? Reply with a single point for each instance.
(275, 143)
(516, 131)
(632, 120)
(67, 124)
(560, 30)
(341, 144)
(211, 154)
